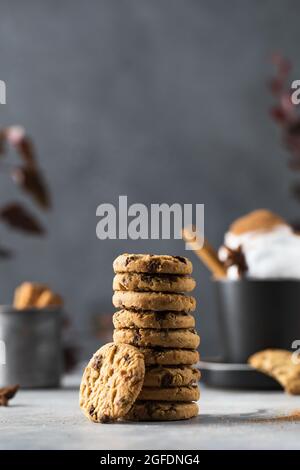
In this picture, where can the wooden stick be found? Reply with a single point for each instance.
(206, 253)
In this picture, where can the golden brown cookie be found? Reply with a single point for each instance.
(111, 382)
(151, 282)
(188, 393)
(161, 264)
(151, 319)
(171, 376)
(178, 338)
(279, 364)
(162, 411)
(153, 301)
(163, 356)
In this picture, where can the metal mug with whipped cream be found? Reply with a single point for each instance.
(270, 247)
(259, 298)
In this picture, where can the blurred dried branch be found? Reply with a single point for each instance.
(28, 176)
(284, 112)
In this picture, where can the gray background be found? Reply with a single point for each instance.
(161, 100)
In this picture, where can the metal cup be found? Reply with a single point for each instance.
(257, 314)
(30, 347)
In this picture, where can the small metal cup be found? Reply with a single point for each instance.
(30, 347)
(257, 314)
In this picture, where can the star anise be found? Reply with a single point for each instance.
(236, 258)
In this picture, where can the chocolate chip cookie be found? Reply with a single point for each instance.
(279, 364)
(111, 382)
(171, 376)
(161, 264)
(151, 319)
(188, 393)
(177, 338)
(152, 282)
(162, 411)
(153, 301)
(164, 356)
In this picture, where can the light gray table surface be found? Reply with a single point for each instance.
(51, 419)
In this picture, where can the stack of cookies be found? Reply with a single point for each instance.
(155, 317)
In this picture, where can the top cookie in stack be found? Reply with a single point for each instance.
(156, 317)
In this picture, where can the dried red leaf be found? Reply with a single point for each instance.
(288, 106)
(32, 181)
(7, 393)
(2, 142)
(283, 65)
(294, 127)
(276, 86)
(278, 114)
(17, 137)
(294, 164)
(20, 218)
(292, 144)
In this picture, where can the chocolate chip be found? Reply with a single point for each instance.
(97, 363)
(129, 259)
(166, 380)
(136, 337)
(181, 259)
(160, 317)
(153, 266)
(105, 419)
(172, 407)
(126, 358)
(124, 281)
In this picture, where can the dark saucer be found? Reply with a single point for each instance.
(216, 373)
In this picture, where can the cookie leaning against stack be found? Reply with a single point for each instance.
(155, 317)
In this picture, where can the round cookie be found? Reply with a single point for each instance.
(178, 338)
(145, 263)
(111, 382)
(162, 411)
(165, 357)
(154, 283)
(168, 376)
(153, 301)
(151, 319)
(189, 393)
